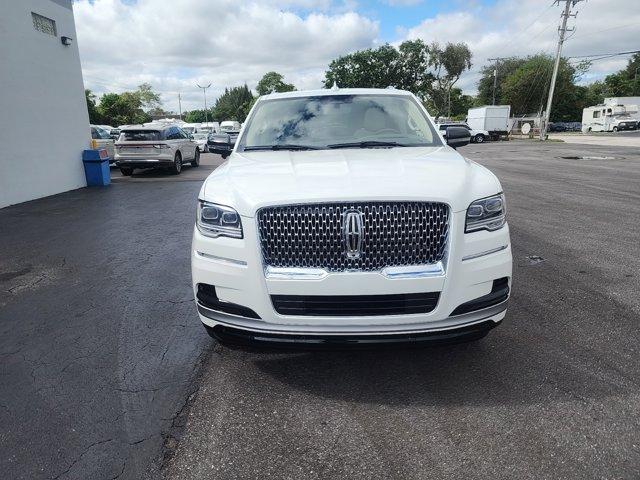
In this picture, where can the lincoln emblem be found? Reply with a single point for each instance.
(352, 234)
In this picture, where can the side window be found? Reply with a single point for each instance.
(596, 114)
(94, 134)
(182, 133)
(172, 133)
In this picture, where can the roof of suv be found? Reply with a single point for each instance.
(337, 91)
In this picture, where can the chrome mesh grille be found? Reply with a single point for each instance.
(393, 234)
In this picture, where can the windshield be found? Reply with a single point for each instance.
(338, 121)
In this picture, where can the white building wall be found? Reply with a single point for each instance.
(44, 124)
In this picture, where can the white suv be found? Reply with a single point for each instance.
(341, 217)
(155, 146)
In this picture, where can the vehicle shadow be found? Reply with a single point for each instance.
(498, 370)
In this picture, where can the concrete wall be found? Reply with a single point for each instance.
(44, 124)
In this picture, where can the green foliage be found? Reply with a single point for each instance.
(233, 104)
(527, 87)
(505, 68)
(273, 82)
(124, 108)
(429, 71)
(94, 116)
(198, 116)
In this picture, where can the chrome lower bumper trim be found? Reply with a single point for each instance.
(260, 326)
(410, 271)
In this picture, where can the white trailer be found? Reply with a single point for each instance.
(492, 118)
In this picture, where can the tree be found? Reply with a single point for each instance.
(448, 63)
(122, 109)
(149, 100)
(370, 68)
(233, 104)
(273, 82)
(527, 88)
(505, 68)
(94, 115)
(430, 72)
(198, 116)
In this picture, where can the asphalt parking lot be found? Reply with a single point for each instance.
(106, 372)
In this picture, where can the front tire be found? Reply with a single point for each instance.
(479, 138)
(196, 159)
(177, 164)
(615, 129)
(127, 172)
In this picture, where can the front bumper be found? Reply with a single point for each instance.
(234, 267)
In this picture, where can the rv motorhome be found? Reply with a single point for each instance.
(611, 116)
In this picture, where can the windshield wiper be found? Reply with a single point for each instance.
(282, 146)
(367, 144)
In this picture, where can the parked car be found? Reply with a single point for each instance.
(626, 124)
(100, 138)
(556, 127)
(354, 225)
(477, 136)
(222, 143)
(201, 140)
(155, 146)
(209, 127)
(190, 128)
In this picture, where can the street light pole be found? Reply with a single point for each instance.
(204, 92)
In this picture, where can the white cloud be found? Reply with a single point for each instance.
(521, 28)
(173, 45)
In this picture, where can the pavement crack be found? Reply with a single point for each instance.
(84, 452)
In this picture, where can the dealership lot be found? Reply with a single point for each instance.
(107, 372)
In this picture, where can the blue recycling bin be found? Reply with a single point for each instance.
(96, 167)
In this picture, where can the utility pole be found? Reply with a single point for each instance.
(204, 91)
(562, 31)
(495, 75)
(180, 105)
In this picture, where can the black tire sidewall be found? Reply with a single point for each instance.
(479, 138)
(196, 159)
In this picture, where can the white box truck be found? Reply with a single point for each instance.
(492, 118)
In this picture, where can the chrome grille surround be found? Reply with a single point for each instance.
(394, 234)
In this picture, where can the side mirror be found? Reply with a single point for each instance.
(457, 137)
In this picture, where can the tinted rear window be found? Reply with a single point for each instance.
(140, 135)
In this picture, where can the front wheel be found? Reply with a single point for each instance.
(479, 138)
(177, 164)
(196, 159)
(127, 172)
(615, 129)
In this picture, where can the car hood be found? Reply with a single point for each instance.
(249, 181)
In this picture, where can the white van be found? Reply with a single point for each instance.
(209, 127)
(230, 126)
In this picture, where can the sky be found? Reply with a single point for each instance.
(176, 44)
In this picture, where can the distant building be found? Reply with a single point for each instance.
(44, 124)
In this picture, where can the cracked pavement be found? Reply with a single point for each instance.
(100, 343)
(553, 393)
